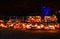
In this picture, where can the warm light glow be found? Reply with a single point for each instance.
(42, 26)
(51, 27)
(57, 26)
(47, 18)
(46, 27)
(24, 25)
(1, 21)
(3, 26)
(32, 22)
(34, 19)
(16, 26)
(28, 27)
(35, 24)
(38, 27)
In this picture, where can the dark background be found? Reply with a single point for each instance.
(28, 7)
(14, 7)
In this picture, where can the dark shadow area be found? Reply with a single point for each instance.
(16, 34)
